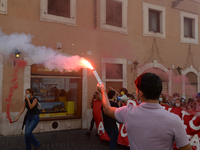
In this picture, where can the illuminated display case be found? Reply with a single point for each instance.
(59, 93)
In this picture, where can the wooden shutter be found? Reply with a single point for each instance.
(59, 8)
(114, 13)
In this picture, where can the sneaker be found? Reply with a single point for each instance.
(88, 134)
(37, 148)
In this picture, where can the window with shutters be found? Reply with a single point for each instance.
(189, 27)
(3, 6)
(153, 20)
(191, 85)
(113, 15)
(114, 73)
(59, 11)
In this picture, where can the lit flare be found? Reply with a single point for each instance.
(88, 65)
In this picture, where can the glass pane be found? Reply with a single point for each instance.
(114, 13)
(114, 71)
(154, 21)
(118, 14)
(109, 11)
(59, 7)
(58, 96)
(64, 8)
(52, 6)
(188, 27)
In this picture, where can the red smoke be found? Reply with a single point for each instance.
(14, 85)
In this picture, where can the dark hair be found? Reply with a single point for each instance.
(176, 94)
(30, 90)
(150, 84)
(111, 93)
(97, 96)
(130, 95)
(124, 90)
(179, 100)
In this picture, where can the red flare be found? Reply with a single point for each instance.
(19, 63)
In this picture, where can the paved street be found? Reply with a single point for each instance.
(59, 140)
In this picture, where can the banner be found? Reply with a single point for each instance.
(191, 123)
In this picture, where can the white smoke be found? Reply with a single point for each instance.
(38, 54)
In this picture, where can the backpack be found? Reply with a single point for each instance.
(39, 107)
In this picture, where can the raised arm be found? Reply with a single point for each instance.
(108, 110)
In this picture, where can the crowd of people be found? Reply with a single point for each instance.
(118, 99)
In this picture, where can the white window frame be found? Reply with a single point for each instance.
(194, 30)
(198, 1)
(161, 9)
(104, 26)
(3, 6)
(122, 61)
(44, 16)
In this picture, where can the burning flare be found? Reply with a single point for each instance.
(87, 64)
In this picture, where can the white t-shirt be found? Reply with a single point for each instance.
(150, 127)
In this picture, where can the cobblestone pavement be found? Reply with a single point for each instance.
(59, 140)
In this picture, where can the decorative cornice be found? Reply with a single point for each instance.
(175, 3)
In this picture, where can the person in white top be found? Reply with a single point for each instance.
(148, 126)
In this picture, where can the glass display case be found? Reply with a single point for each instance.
(59, 95)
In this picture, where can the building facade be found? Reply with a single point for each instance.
(121, 38)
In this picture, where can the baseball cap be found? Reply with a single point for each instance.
(198, 95)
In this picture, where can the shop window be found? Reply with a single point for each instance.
(59, 11)
(153, 20)
(189, 27)
(3, 6)
(114, 13)
(59, 93)
(191, 85)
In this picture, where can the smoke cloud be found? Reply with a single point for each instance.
(38, 54)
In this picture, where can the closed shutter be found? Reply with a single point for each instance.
(59, 8)
(114, 13)
(165, 87)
